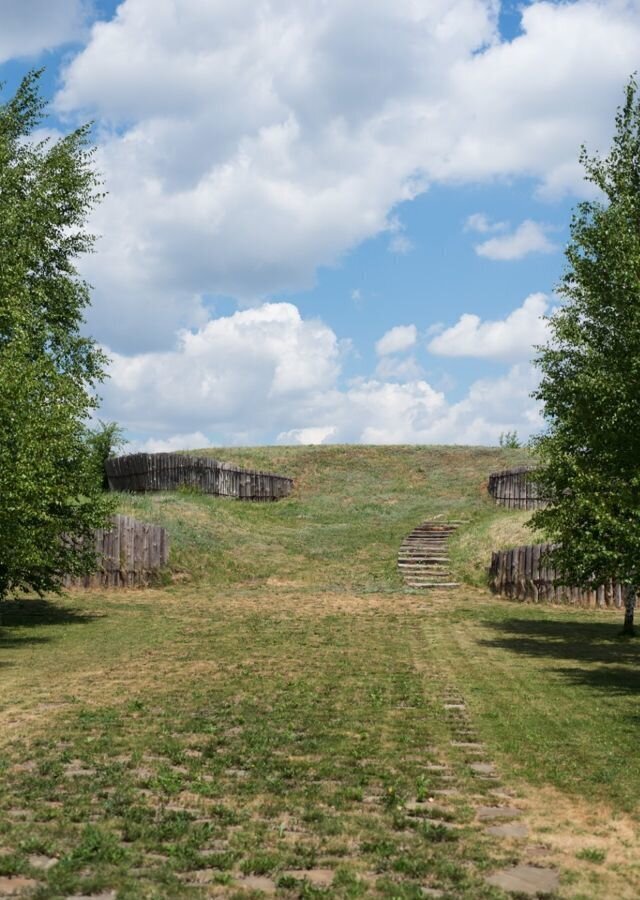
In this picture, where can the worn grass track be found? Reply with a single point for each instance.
(277, 722)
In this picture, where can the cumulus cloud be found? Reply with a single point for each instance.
(393, 367)
(508, 339)
(318, 435)
(266, 373)
(401, 337)
(31, 26)
(195, 440)
(246, 144)
(529, 237)
(481, 223)
(235, 376)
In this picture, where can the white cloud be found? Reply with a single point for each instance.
(319, 435)
(31, 26)
(236, 375)
(195, 440)
(266, 374)
(400, 244)
(401, 337)
(507, 339)
(481, 223)
(246, 144)
(405, 369)
(529, 237)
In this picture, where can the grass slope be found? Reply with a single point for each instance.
(340, 530)
(273, 718)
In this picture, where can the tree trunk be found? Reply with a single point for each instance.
(629, 609)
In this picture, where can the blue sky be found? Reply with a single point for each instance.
(327, 222)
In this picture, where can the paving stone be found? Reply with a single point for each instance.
(498, 812)
(318, 877)
(418, 805)
(28, 766)
(483, 768)
(200, 876)
(105, 895)
(530, 880)
(77, 769)
(510, 830)
(257, 883)
(16, 886)
(535, 851)
(40, 861)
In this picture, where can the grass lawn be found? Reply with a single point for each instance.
(281, 716)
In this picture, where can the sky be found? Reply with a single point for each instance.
(326, 220)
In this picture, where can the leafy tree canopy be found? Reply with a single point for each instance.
(590, 387)
(50, 489)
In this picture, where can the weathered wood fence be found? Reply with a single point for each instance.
(516, 488)
(168, 471)
(523, 574)
(128, 555)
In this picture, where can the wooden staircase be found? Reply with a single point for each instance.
(423, 559)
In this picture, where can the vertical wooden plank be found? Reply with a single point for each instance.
(535, 571)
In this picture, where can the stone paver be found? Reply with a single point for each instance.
(40, 861)
(77, 769)
(16, 886)
(498, 812)
(105, 895)
(511, 830)
(317, 877)
(483, 768)
(257, 883)
(530, 880)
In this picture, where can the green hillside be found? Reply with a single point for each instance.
(341, 528)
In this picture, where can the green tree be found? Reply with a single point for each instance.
(51, 497)
(104, 440)
(590, 387)
(510, 440)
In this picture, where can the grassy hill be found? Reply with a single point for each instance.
(341, 528)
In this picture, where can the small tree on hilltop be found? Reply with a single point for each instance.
(590, 387)
(50, 492)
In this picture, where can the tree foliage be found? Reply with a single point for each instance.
(104, 440)
(51, 498)
(590, 387)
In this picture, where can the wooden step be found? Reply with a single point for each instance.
(423, 559)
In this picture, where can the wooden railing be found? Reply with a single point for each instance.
(168, 471)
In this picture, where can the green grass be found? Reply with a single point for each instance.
(276, 710)
(555, 691)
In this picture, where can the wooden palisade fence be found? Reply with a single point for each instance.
(168, 471)
(523, 574)
(128, 555)
(516, 488)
